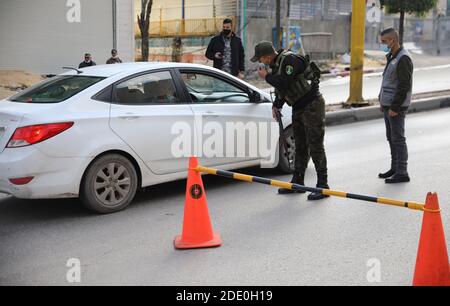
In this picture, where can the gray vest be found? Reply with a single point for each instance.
(390, 82)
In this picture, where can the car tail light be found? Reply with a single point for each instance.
(29, 135)
(21, 180)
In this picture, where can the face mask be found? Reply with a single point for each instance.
(267, 64)
(385, 48)
(226, 32)
(264, 66)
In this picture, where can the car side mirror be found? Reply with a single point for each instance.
(255, 97)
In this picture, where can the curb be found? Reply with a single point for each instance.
(327, 76)
(373, 112)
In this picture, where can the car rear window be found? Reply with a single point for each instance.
(56, 89)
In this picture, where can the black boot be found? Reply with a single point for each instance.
(398, 178)
(322, 182)
(387, 174)
(296, 179)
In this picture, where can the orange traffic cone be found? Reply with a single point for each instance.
(197, 228)
(432, 265)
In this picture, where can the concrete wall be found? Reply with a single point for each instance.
(339, 28)
(44, 35)
(125, 43)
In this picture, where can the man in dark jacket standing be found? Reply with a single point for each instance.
(87, 61)
(114, 59)
(395, 98)
(227, 52)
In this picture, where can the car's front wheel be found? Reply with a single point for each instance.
(109, 185)
(287, 153)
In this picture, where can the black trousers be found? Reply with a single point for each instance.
(395, 134)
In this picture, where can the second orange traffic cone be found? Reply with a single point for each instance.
(432, 265)
(197, 228)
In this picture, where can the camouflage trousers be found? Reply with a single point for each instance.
(308, 124)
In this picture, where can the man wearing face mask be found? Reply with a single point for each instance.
(296, 83)
(227, 52)
(395, 98)
(114, 59)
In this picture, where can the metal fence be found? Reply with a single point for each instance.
(202, 19)
(430, 35)
(300, 9)
(188, 27)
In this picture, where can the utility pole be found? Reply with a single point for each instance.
(214, 15)
(287, 24)
(357, 53)
(183, 18)
(244, 23)
(278, 37)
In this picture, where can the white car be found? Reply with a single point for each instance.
(103, 132)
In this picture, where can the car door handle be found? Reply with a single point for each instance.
(129, 117)
(210, 114)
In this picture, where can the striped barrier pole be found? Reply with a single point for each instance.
(329, 192)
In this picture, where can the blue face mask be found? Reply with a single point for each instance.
(385, 48)
(264, 66)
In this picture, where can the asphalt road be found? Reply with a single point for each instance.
(268, 239)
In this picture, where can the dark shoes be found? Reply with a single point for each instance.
(398, 178)
(289, 191)
(392, 178)
(386, 174)
(315, 196)
(296, 179)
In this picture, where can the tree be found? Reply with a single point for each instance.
(177, 49)
(144, 26)
(417, 7)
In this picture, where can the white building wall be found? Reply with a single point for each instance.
(125, 30)
(43, 35)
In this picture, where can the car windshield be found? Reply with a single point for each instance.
(56, 89)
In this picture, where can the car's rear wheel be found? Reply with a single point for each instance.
(109, 184)
(286, 161)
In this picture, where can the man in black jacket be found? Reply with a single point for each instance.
(87, 61)
(227, 52)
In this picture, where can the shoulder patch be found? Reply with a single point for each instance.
(289, 69)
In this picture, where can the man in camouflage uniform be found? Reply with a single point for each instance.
(296, 83)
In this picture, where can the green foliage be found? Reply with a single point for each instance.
(418, 7)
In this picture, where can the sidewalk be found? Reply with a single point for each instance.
(373, 112)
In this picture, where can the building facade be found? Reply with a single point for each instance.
(42, 36)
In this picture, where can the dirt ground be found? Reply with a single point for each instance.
(13, 81)
(4, 93)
